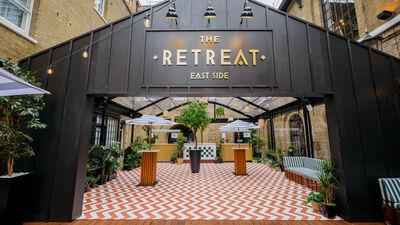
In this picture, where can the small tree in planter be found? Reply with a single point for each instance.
(195, 117)
(18, 115)
(327, 181)
(314, 198)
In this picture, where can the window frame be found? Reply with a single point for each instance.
(26, 20)
(103, 7)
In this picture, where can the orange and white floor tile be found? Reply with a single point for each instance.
(213, 194)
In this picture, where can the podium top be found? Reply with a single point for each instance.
(147, 150)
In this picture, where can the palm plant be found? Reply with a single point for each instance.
(327, 181)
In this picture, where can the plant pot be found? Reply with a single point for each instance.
(87, 189)
(103, 180)
(112, 177)
(14, 198)
(315, 207)
(195, 157)
(179, 160)
(329, 211)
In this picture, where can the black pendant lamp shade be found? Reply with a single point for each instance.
(247, 13)
(171, 14)
(210, 12)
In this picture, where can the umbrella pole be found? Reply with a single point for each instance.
(150, 136)
(239, 136)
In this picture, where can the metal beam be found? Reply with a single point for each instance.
(152, 103)
(252, 103)
(211, 102)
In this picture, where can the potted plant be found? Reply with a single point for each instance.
(327, 181)
(115, 163)
(180, 142)
(314, 198)
(131, 154)
(173, 157)
(195, 117)
(219, 153)
(18, 116)
(219, 112)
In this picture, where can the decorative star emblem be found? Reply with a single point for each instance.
(263, 57)
(155, 57)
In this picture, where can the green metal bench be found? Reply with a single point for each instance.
(390, 191)
(303, 170)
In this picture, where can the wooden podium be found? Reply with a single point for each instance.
(148, 171)
(240, 161)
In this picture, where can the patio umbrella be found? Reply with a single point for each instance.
(150, 120)
(238, 126)
(11, 85)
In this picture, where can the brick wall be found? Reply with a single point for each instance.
(56, 21)
(311, 11)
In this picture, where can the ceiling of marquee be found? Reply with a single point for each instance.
(251, 106)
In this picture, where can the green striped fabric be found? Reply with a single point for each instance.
(390, 191)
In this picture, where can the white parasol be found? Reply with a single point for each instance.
(11, 85)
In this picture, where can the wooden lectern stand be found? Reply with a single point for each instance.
(240, 161)
(148, 172)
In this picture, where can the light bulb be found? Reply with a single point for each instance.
(85, 54)
(146, 22)
(50, 71)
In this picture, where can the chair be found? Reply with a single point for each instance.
(390, 191)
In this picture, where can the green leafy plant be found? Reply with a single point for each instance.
(131, 154)
(314, 197)
(257, 141)
(18, 115)
(105, 160)
(327, 182)
(219, 152)
(149, 134)
(91, 177)
(180, 142)
(276, 164)
(291, 151)
(219, 112)
(195, 117)
(174, 156)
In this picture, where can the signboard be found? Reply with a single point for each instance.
(209, 58)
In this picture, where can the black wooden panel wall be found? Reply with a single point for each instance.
(362, 98)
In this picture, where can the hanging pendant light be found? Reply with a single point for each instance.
(147, 22)
(171, 14)
(85, 53)
(247, 13)
(210, 12)
(50, 70)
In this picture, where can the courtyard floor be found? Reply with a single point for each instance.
(213, 194)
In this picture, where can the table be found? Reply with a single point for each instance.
(240, 161)
(148, 171)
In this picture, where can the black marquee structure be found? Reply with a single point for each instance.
(294, 58)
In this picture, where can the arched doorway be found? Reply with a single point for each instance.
(184, 130)
(297, 140)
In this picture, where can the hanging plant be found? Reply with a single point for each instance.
(220, 112)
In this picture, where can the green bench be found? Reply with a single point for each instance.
(303, 170)
(390, 191)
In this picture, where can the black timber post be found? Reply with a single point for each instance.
(272, 131)
(308, 130)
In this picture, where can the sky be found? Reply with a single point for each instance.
(274, 3)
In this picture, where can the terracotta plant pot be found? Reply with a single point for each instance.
(179, 160)
(329, 211)
(315, 207)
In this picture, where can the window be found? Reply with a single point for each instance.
(17, 14)
(340, 17)
(297, 139)
(99, 6)
(111, 129)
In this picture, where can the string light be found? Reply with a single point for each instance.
(85, 53)
(50, 70)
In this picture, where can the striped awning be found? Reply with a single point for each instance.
(238, 126)
(150, 120)
(11, 85)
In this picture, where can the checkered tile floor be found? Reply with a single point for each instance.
(213, 194)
